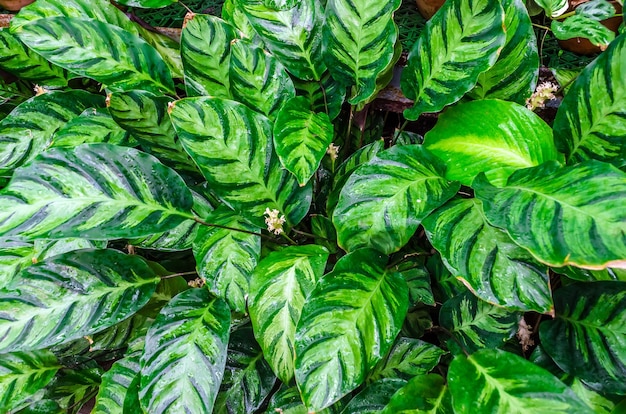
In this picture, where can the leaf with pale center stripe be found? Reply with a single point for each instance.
(563, 215)
(348, 324)
(185, 354)
(93, 125)
(95, 191)
(326, 95)
(424, 394)
(72, 295)
(459, 43)
(408, 357)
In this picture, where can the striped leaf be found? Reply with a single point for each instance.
(96, 191)
(458, 44)
(508, 384)
(232, 146)
(514, 75)
(115, 384)
(348, 324)
(28, 129)
(485, 258)
(93, 125)
(590, 122)
(287, 399)
(301, 138)
(280, 285)
(232, 12)
(22, 374)
(72, 295)
(205, 51)
(421, 395)
(293, 35)
(484, 145)
(374, 397)
(73, 388)
(477, 324)
(325, 95)
(562, 215)
(358, 41)
(185, 354)
(384, 201)
(583, 27)
(147, 4)
(108, 54)
(553, 8)
(587, 337)
(408, 357)
(225, 258)
(258, 79)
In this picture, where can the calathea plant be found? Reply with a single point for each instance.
(217, 225)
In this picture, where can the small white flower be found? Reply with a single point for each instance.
(274, 223)
(545, 91)
(524, 331)
(333, 151)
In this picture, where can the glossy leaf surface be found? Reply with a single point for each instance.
(91, 126)
(374, 397)
(409, 357)
(115, 384)
(422, 394)
(583, 27)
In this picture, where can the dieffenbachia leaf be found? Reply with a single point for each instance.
(497, 138)
(301, 138)
(95, 191)
(293, 35)
(508, 384)
(586, 339)
(22, 374)
(423, 394)
(72, 295)
(514, 75)
(27, 130)
(115, 384)
(205, 51)
(225, 258)
(408, 357)
(374, 397)
(477, 324)
(232, 146)
(583, 27)
(258, 79)
(358, 41)
(486, 259)
(93, 125)
(185, 354)
(280, 285)
(458, 44)
(590, 122)
(563, 215)
(348, 324)
(384, 200)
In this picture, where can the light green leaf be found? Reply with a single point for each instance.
(459, 43)
(287, 400)
(301, 138)
(596, 9)
(93, 125)
(384, 201)
(147, 4)
(374, 397)
(485, 258)
(562, 215)
(232, 12)
(348, 324)
(553, 8)
(115, 384)
(408, 357)
(424, 394)
(279, 287)
(590, 122)
(232, 146)
(72, 295)
(96, 191)
(508, 384)
(583, 27)
(588, 334)
(185, 354)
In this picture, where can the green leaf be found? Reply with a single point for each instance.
(596, 9)
(485, 258)
(248, 379)
(384, 201)
(118, 59)
(497, 138)
(205, 51)
(374, 397)
(348, 324)
(96, 191)
(185, 354)
(225, 257)
(93, 125)
(562, 215)
(409, 357)
(72, 388)
(325, 95)
(28, 129)
(115, 384)
(590, 121)
(477, 324)
(586, 275)
(514, 75)
(507, 383)
(553, 8)
(459, 43)
(15, 255)
(22, 374)
(132, 403)
(279, 288)
(147, 4)
(258, 79)
(301, 138)
(288, 401)
(583, 27)
(232, 12)
(72, 295)
(587, 336)
(423, 394)
(358, 41)
(232, 146)
(293, 35)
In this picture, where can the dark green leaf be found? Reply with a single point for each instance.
(115, 384)
(288, 401)
(409, 357)
(147, 4)
(374, 397)
(326, 95)
(596, 9)
(93, 125)
(423, 394)
(72, 388)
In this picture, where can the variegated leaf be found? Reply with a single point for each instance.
(93, 125)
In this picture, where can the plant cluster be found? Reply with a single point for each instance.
(227, 225)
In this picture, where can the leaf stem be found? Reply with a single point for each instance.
(324, 95)
(219, 226)
(542, 27)
(173, 275)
